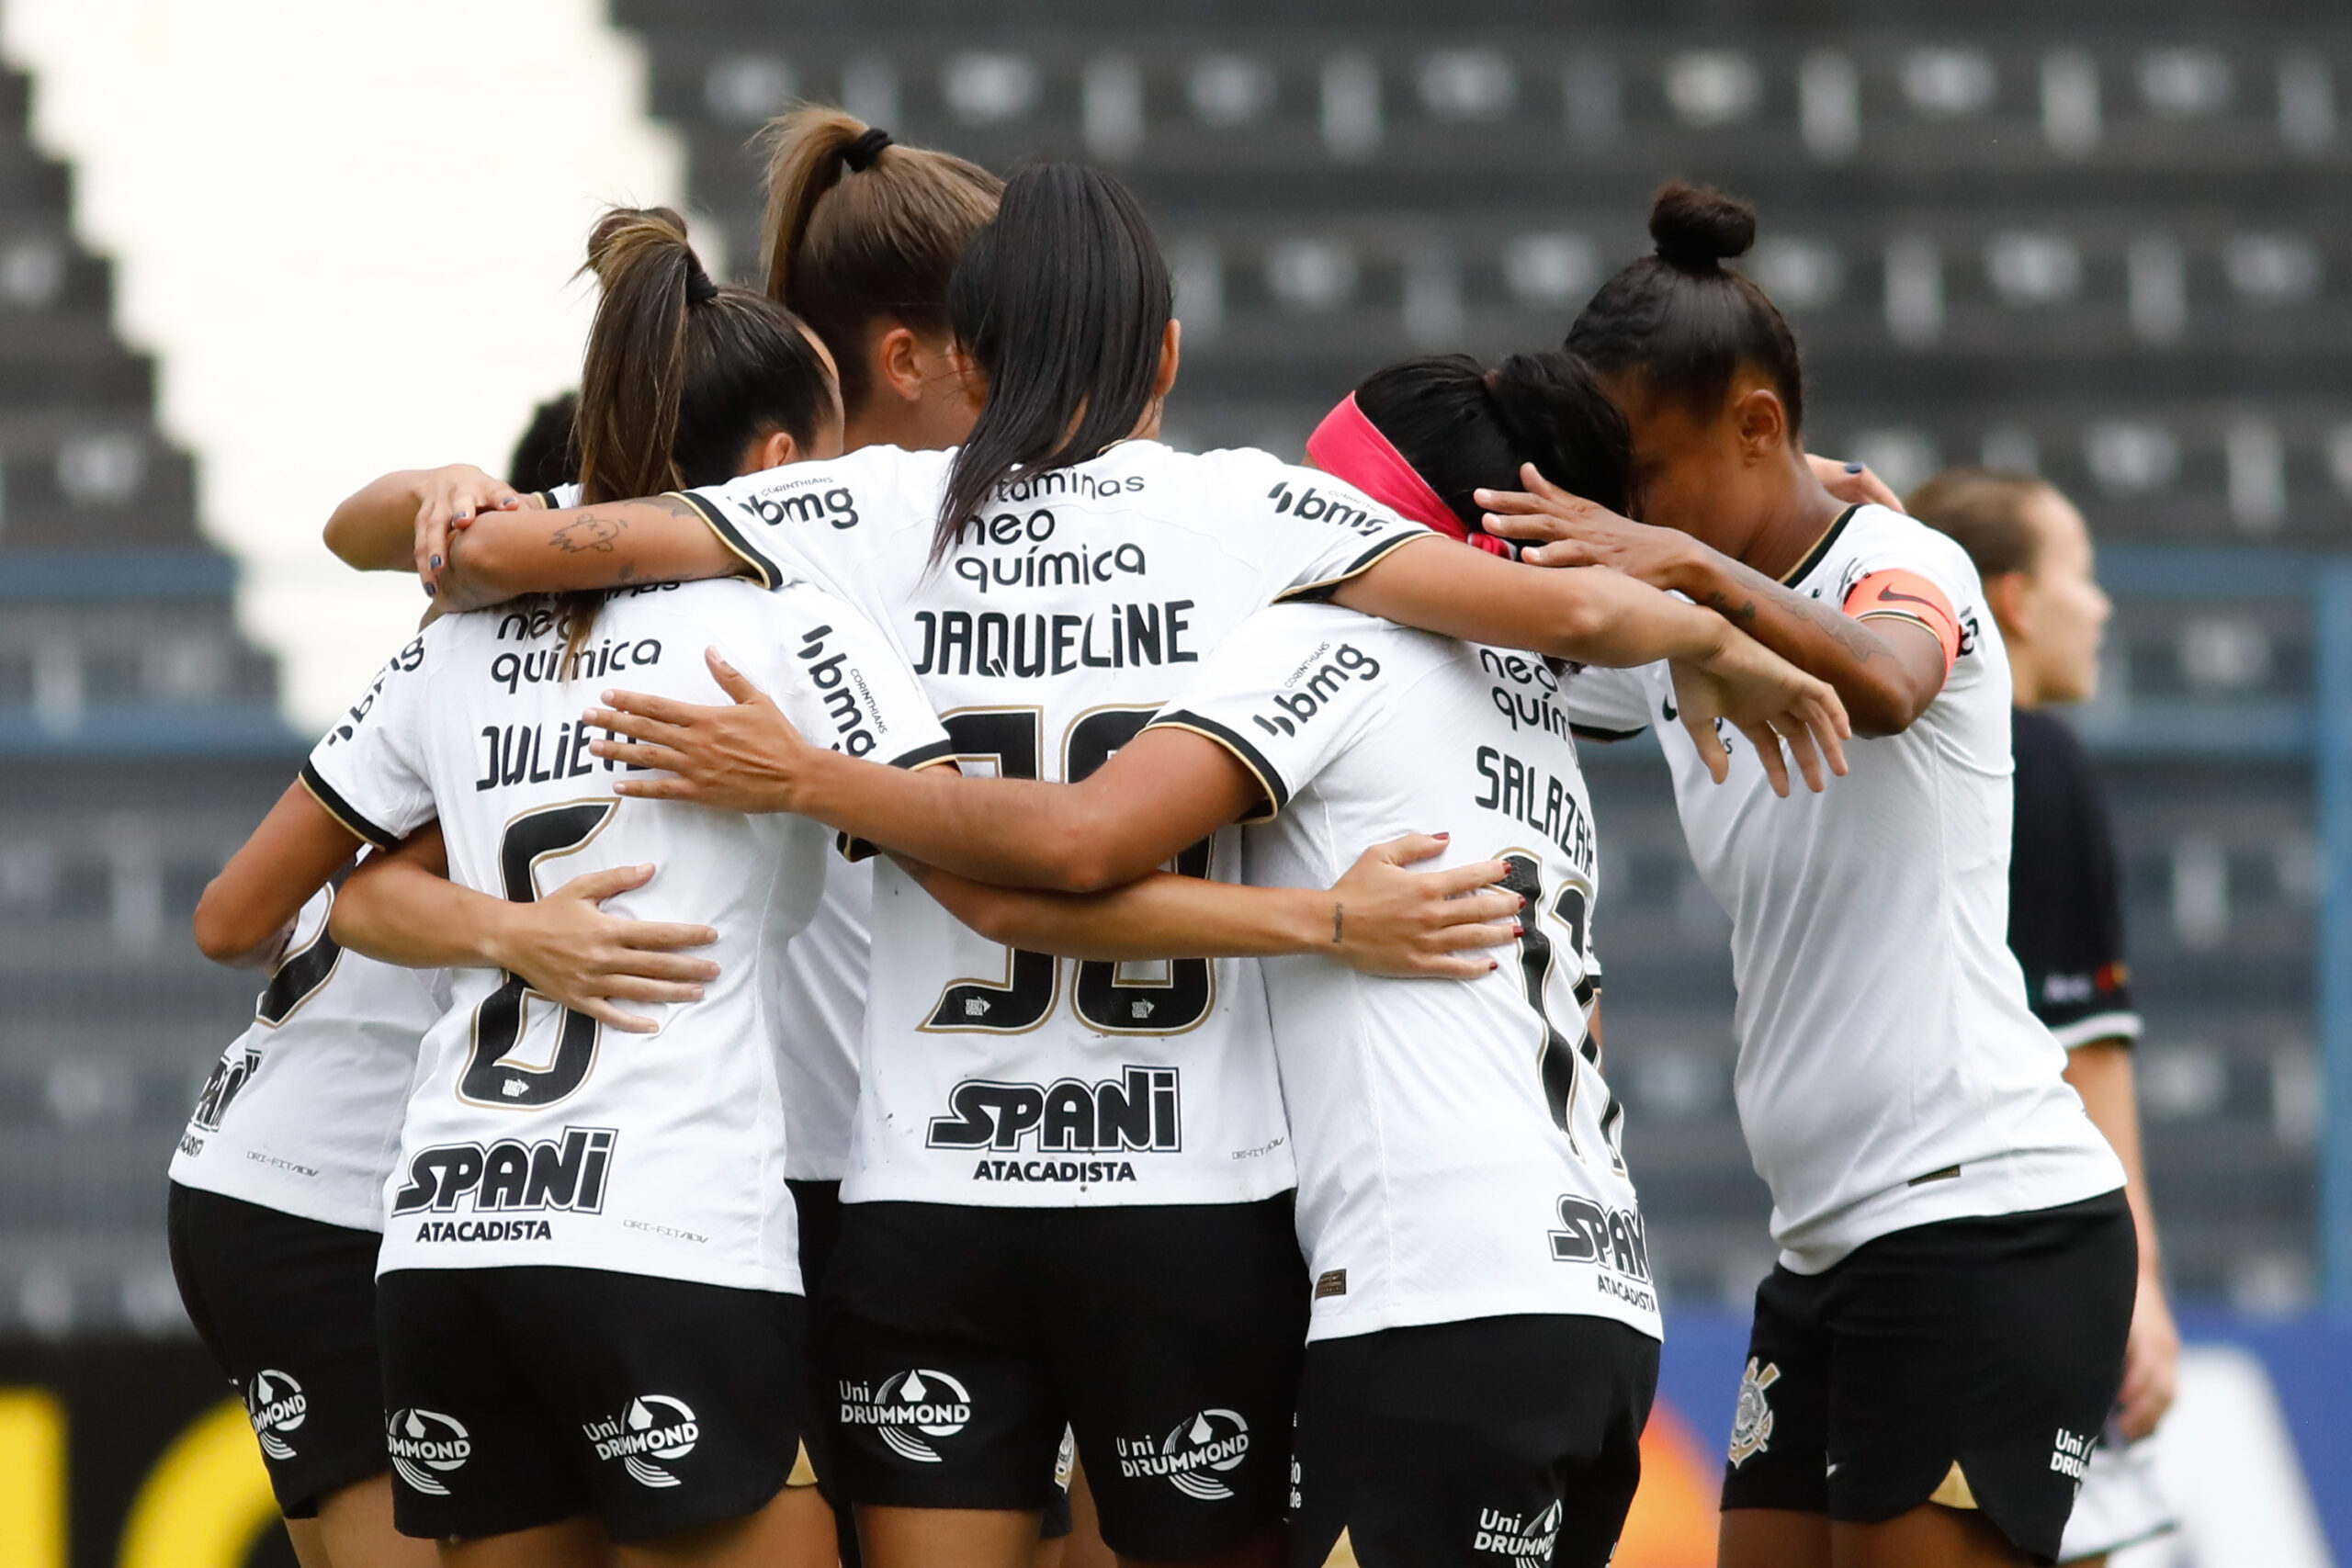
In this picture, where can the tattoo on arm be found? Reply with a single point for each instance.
(590, 531)
(1339, 921)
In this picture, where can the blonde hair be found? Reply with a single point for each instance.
(859, 227)
(1984, 511)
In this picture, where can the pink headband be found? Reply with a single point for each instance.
(1348, 446)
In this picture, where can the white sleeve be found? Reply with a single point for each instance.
(1610, 705)
(816, 519)
(369, 771)
(1318, 531)
(562, 497)
(1287, 691)
(847, 684)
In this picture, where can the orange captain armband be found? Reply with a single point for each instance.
(1914, 598)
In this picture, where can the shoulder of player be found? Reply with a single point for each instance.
(1876, 538)
(842, 493)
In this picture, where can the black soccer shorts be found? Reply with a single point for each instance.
(1993, 1345)
(1492, 1442)
(1168, 1338)
(517, 1397)
(288, 1308)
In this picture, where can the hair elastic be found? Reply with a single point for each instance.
(1348, 446)
(699, 286)
(860, 154)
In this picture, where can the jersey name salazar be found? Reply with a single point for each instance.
(1889, 1073)
(1458, 1154)
(532, 1135)
(1066, 612)
(302, 1111)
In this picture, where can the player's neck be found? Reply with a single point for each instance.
(1797, 514)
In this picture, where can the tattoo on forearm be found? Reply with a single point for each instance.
(1740, 615)
(1339, 921)
(590, 531)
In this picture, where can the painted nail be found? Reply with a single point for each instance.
(430, 591)
(1854, 468)
(1441, 836)
(436, 563)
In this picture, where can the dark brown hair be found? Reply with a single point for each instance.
(859, 227)
(1064, 303)
(1984, 510)
(1681, 321)
(681, 375)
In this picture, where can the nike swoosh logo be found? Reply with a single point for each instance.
(1887, 595)
(1667, 708)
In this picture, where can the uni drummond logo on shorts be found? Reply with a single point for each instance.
(1751, 1428)
(1192, 1455)
(275, 1405)
(421, 1442)
(1522, 1540)
(907, 1407)
(654, 1426)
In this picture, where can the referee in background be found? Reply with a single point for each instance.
(2033, 553)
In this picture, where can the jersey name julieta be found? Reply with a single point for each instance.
(532, 1135)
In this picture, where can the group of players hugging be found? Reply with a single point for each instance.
(915, 950)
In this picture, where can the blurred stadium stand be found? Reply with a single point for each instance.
(139, 742)
(2108, 242)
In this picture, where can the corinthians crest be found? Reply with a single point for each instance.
(1751, 1429)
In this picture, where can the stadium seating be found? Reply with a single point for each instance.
(2100, 241)
(139, 740)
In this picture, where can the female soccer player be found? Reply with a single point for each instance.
(2032, 550)
(1482, 1348)
(590, 1283)
(862, 234)
(1078, 564)
(1910, 1396)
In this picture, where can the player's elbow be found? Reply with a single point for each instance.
(1090, 858)
(1884, 706)
(225, 934)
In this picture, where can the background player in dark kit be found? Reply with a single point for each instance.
(2033, 551)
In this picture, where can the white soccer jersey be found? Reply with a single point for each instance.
(1459, 1155)
(820, 1003)
(821, 1011)
(1082, 600)
(302, 1112)
(1889, 1073)
(532, 1135)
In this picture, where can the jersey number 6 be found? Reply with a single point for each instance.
(490, 1079)
(1022, 1001)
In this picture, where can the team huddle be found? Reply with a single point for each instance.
(913, 945)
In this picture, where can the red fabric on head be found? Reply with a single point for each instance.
(1348, 446)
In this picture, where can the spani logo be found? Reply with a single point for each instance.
(907, 1407)
(422, 1442)
(654, 1426)
(1194, 1454)
(276, 1404)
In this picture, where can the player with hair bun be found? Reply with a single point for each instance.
(1909, 1397)
(1159, 1232)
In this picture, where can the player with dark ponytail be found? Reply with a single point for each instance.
(1158, 1234)
(1909, 1398)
